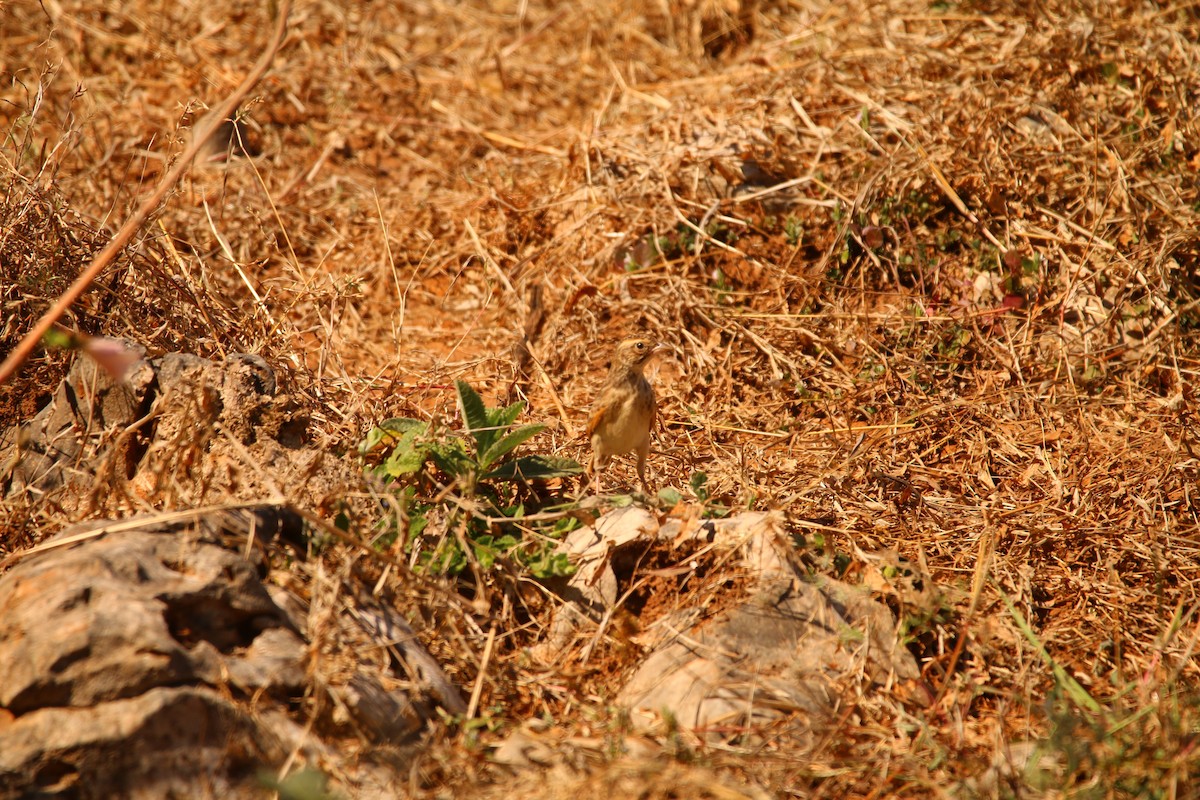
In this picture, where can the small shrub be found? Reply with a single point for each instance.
(476, 486)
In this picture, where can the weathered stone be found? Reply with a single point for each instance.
(150, 425)
(180, 742)
(384, 716)
(147, 658)
(411, 659)
(783, 651)
(116, 615)
(48, 452)
(159, 656)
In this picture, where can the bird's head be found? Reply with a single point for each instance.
(635, 353)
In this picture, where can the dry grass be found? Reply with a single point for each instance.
(929, 272)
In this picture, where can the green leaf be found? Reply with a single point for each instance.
(56, 337)
(501, 418)
(408, 456)
(452, 459)
(448, 559)
(716, 510)
(306, 784)
(534, 468)
(389, 430)
(669, 495)
(476, 417)
(513, 511)
(488, 549)
(565, 526)
(416, 524)
(508, 443)
(485, 554)
(552, 565)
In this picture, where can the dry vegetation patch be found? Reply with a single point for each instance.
(929, 274)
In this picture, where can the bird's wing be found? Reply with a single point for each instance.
(594, 419)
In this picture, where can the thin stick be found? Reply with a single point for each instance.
(121, 526)
(476, 692)
(548, 384)
(200, 134)
(700, 232)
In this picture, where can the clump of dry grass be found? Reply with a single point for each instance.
(930, 275)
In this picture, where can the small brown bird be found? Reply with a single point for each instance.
(623, 413)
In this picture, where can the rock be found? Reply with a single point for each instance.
(148, 658)
(174, 422)
(382, 715)
(138, 609)
(526, 747)
(774, 647)
(125, 648)
(170, 742)
(41, 452)
(410, 658)
(131, 646)
(786, 652)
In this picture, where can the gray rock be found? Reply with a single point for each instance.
(123, 429)
(180, 742)
(780, 651)
(160, 655)
(787, 652)
(113, 616)
(125, 649)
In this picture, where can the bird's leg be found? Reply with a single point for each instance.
(594, 472)
(643, 452)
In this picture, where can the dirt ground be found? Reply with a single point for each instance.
(928, 274)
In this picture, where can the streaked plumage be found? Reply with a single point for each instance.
(623, 414)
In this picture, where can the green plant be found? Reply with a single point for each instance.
(475, 485)
(304, 784)
(699, 484)
(721, 287)
(1139, 742)
(793, 230)
(953, 343)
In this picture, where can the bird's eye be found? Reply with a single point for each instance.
(641, 345)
